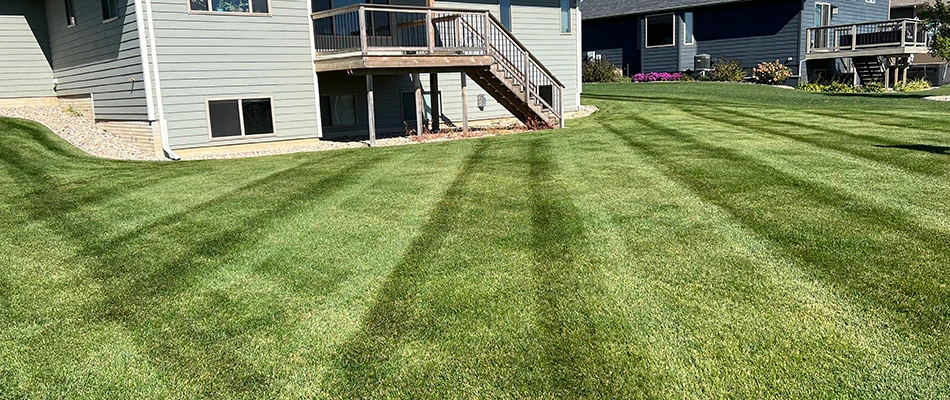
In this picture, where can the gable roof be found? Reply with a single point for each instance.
(591, 9)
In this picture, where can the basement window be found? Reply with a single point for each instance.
(230, 6)
(338, 110)
(240, 117)
(661, 30)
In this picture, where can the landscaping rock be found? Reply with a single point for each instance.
(78, 131)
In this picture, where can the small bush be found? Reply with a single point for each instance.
(811, 87)
(770, 73)
(873, 87)
(841, 87)
(915, 85)
(657, 77)
(601, 71)
(728, 71)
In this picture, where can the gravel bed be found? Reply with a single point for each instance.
(937, 98)
(79, 132)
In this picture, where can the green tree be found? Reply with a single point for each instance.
(936, 16)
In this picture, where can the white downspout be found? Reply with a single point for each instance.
(143, 50)
(163, 124)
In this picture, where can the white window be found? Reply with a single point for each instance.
(661, 30)
(688, 35)
(240, 117)
(110, 10)
(338, 110)
(565, 16)
(230, 6)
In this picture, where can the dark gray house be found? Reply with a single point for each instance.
(814, 38)
(180, 74)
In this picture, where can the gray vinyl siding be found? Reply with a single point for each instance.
(24, 50)
(221, 56)
(537, 24)
(658, 59)
(101, 59)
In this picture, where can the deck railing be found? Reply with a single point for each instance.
(387, 30)
(852, 37)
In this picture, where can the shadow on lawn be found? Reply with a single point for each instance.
(918, 147)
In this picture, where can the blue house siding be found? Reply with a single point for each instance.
(750, 32)
(658, 59)
(615, 33)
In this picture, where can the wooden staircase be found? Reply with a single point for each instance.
(869, 69)
(426, 40)
(508, 92)
(516, 79)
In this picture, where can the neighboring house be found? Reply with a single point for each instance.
(178, 74)
(666, 35)
(933, 69)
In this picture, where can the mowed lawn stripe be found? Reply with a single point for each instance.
(669, 256)
(729, 325)
(868, 146)
(897, 246)
(869, 178)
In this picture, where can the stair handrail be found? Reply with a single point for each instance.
(522, 74)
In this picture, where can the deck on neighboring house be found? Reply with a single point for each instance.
(370, 39)
(893, 38)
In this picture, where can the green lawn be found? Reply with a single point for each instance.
(688, 241)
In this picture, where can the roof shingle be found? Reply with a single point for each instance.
(591, 9)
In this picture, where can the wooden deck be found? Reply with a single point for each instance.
(400, 63)
(893, 38)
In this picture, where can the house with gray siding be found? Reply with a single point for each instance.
(818, 39)
(184, 74)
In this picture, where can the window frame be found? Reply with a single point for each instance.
(243, 135)
(570, 17)
(646, 30)
(356, 110)
(689, 38)
(70, 9)
(112, 18)
(269, 13)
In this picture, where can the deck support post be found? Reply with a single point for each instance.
(371, 110)
(434, 100)
(464, 103)
(897, 71)
(854, 68)
(420, 105)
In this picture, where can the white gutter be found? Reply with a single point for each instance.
(143, 50)
(163, 124)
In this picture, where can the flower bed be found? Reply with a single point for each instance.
(658, 77)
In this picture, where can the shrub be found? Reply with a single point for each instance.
(873, 87)
(657, 77)
(601, 71)
(915, 85)
(841, 87)
(770, 73)
(811, 87)
(728, 71)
